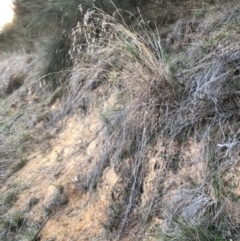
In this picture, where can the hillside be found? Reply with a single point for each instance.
(120, 121)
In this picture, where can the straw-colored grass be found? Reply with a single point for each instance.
(173, 84)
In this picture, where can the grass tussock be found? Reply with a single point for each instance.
(207, 112)
(162, 97)
(16, 225)
(136, 69)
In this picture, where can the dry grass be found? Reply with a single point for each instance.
(20, 109)
(175, 85)
(204, 54)
(197, 100)
(16, 225)
(136, 69)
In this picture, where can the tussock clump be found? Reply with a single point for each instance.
(17, 226)
(199, 100)
(105, 49)
(208, 112)
(7, 200)
(207, 70)
(190, 205)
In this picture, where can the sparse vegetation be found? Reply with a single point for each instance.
(166, 87)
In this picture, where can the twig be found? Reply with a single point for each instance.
(41, 227)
